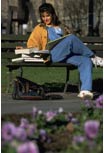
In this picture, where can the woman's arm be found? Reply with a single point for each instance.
(67, 29)
(35, 38)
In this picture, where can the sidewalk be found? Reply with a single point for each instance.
(70, 103)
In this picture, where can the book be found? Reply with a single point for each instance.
(53, 43)
(19, 59)
(33, 60)
(41, 52)
(30, 55)
(25, 50)
(28, 59)
(31, 51)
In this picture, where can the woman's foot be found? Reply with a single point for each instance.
(85, 94)
(97, 61)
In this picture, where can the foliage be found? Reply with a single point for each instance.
(56, 131)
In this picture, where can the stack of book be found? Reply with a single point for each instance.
(33, 54)
(30, 55)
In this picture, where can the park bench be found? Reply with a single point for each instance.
(9, 42)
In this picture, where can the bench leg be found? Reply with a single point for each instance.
(9, 81)
(79, 82)
(10, 78)
(67, 79)
(21, 72)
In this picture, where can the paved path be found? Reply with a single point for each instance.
(69, 103)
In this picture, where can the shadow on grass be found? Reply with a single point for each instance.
(59, 87)
(98, 85)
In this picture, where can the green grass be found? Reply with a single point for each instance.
(44, 75)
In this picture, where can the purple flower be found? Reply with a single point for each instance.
(43, 135)
(42, 132)
(78, 139)
(74, 120)
(28, 147)
(88, 103)
(50, 115)
(8, 131)
(21, 134)
(69, 117)
(99, 102)
(91, 128)
(24, 123)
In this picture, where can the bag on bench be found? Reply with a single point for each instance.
(27, 90)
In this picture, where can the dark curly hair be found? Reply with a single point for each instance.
(47, 7)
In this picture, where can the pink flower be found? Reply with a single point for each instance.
(91, 128)
(8, 131)
(24, 123)
(34, 112)
(31, 129)
(50, 115)
(28, 147)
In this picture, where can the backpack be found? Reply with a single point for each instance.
(27, 90)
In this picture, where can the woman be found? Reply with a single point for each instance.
(69, 50)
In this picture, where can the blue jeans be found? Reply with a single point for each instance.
(72, 50)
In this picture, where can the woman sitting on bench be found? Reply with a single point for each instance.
(68, 50)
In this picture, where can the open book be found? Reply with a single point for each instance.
(53, 43)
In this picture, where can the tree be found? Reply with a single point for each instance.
(75, 14)
(98, 7)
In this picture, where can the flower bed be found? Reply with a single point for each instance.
(55, 131)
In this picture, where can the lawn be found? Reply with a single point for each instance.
(44, 75)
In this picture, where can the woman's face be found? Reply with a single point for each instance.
(46, 18)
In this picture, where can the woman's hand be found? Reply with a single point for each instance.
(19, 47)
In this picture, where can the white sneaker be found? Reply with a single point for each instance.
(97, 61)
(85, 94)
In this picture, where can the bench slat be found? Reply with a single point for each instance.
(95, 47)
(13, 66)
(14, 37)
(92, 39)
(25, 38)
(7, 45)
